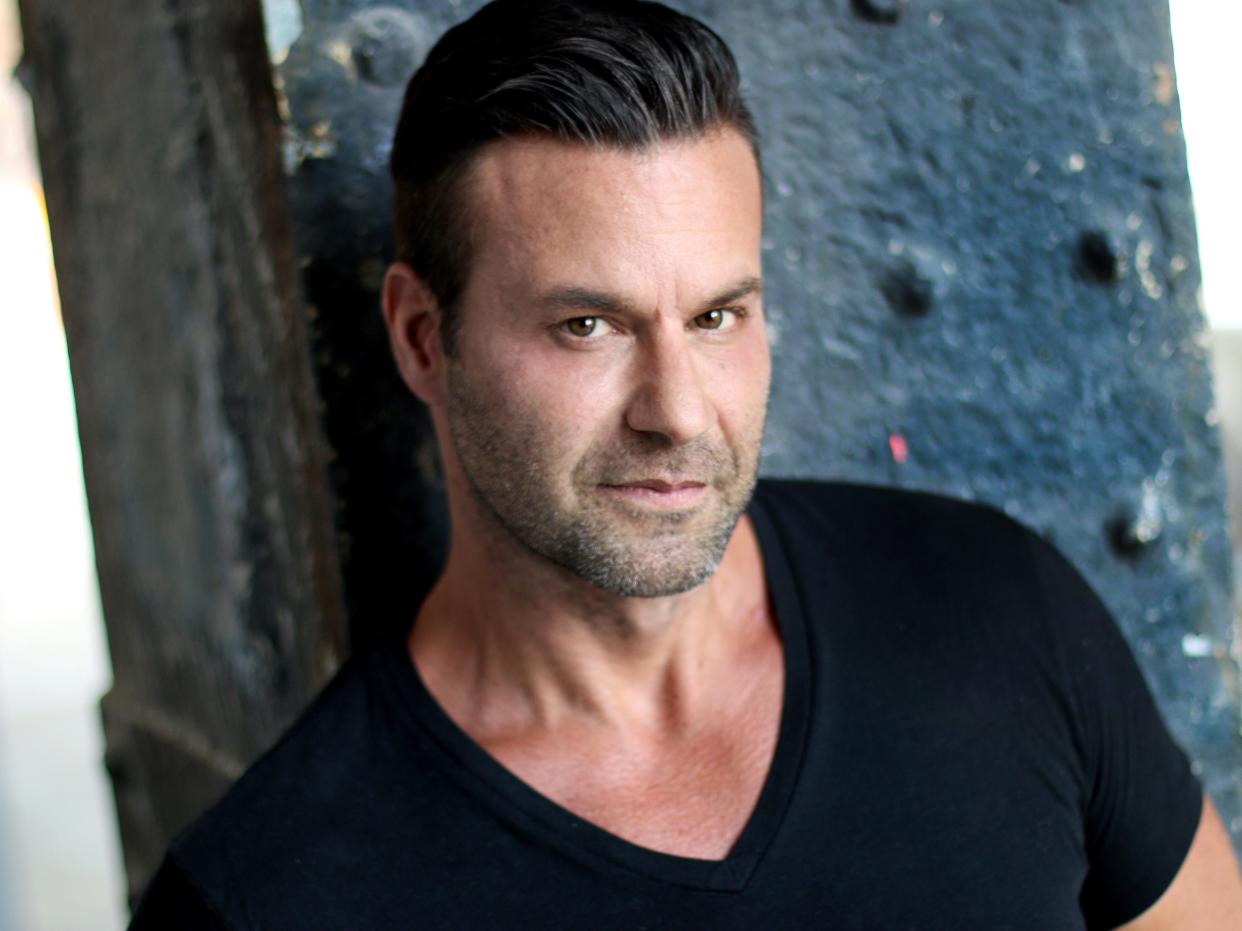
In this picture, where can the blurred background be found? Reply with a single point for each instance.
(59, 857)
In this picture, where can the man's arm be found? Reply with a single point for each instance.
(1206, 893)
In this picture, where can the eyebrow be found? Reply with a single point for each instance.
(575, 298)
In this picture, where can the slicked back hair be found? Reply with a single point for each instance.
(622, 74)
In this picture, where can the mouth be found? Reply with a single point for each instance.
(659, 493)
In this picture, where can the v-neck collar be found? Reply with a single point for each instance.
(526, 809)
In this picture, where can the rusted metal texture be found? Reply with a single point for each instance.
(196, 404)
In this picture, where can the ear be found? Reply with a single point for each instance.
(412, 315)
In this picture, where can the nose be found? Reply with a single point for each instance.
(670, 399)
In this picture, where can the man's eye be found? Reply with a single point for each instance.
(583, 327)
(720, 319)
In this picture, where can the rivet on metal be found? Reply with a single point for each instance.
(880, 11)
(1100, 258)
(1131, 533)
(387, 44)
(908, 290)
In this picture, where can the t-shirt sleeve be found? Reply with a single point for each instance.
(1142, 801)
(172, 901)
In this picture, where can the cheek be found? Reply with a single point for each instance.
(741, 380)
(562, 400)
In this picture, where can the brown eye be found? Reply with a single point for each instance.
(712, 320)
(582, 326)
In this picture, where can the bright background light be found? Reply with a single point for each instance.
(1206, 36)
(59, 858)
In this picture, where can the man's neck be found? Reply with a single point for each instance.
(530, 648)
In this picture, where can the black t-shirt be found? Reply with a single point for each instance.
(965, 743)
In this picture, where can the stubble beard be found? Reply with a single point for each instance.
(626, 550)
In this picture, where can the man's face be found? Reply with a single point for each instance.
(606, 398)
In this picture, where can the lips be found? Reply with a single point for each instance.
(660, 486)
(665, 495)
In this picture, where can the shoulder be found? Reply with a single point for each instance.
(312, 757)
(897, 519)
(860, 499)
(984, 613)
(957, 576)
(301, 771)
(295, 821)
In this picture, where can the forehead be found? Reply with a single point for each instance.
(545, 209)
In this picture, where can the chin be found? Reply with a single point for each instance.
(658, 566)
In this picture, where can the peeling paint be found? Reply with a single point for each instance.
(1142, 264)
(1164, 87)
(1196, 646)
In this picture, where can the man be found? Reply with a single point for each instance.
(638, 697)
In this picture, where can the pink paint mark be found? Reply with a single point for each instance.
(898, 447)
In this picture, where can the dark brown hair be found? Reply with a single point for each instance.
(613, 73)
